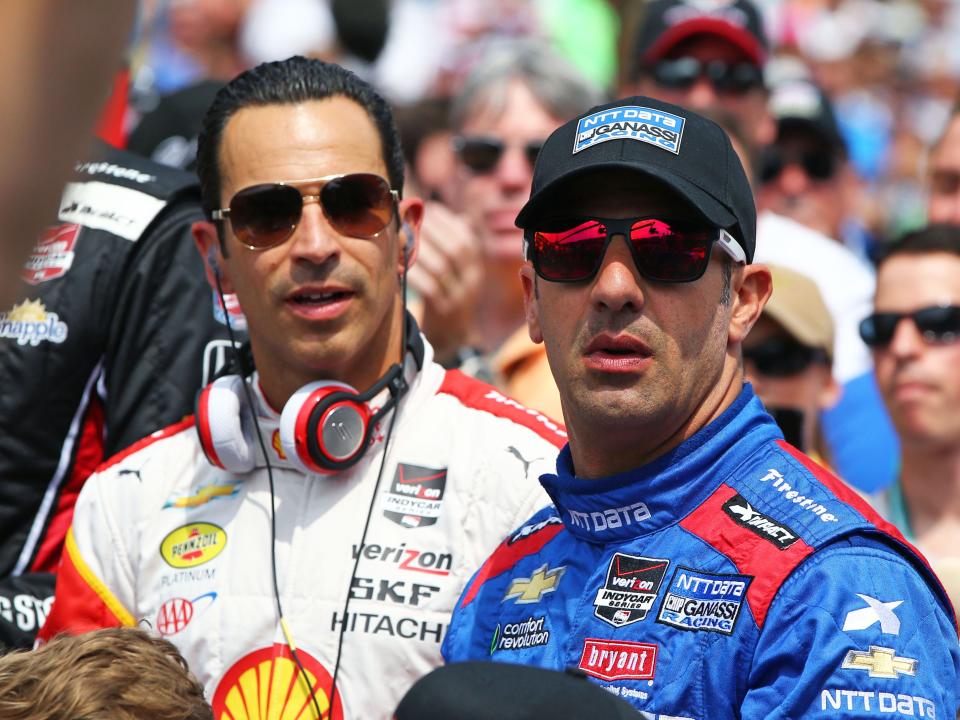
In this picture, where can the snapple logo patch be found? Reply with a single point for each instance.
(630, 122)
(193, 544)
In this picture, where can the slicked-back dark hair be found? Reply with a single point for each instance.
(288, 82)
(935, 238)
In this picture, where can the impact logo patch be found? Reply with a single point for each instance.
(415, 496)
(611, 660)
(630, 122)
(193, 544)
(529, 633)
(29, 323)
(630, 589)
(703, 601)
(743, 514)
(53, 254)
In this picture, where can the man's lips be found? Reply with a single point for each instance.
(319, 302)
(617, 353)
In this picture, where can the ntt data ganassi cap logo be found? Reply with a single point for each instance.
(267, 684)
(416, 495)
(630, 122)
(630, 589)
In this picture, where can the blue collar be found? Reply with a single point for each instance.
(660, 493)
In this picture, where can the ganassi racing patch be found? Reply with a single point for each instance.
(698, 600)
(630, 589)
(415, 496)
(630, 122)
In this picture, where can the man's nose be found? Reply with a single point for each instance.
(513, 169)
(617, 284)
(315, 240)
(702, 94)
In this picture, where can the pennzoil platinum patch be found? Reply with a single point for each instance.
(630, 122)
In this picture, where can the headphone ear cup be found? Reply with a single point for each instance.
(323, 427)
(222, 421)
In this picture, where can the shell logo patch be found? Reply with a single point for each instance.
(277, 445)
(193, 544)
(267, 683)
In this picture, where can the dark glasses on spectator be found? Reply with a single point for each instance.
(780, 357)
(663, 250)
(358, 205)
(682, 73)
(937, 324)
(818, 164)
(481, 154)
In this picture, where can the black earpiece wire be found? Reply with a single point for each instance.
(273, 506)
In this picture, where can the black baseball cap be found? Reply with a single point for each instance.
(801, 103)
(666, 23)
(502, 691)
(675, 146)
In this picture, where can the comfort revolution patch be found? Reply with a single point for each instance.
(630, 122)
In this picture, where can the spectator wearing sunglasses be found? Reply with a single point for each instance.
(692, 562)
(705, 56)
(517, 94)
(803, 174)
(788, 358)
(914, 332)
(323, 509)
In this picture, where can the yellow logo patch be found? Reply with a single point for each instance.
(193, 544)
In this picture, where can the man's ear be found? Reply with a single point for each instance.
(531, 301)
(752, 287)
(411, 217)
(208, 244)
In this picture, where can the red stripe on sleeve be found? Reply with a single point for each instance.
(507, 555)
(481, 396)
(750, 553)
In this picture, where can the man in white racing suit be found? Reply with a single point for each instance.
(309, 561)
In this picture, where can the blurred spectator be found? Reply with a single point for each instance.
(705, 56)
(730, 45)
(944, 201)
(111, 674)
(112, 340)
(788, 356)
(803, 173)
(517, 95)
(914, 332)
(425, 133)
(53, 81)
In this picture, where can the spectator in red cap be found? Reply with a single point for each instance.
(705, 56)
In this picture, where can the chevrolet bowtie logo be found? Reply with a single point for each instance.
(880, 662)
(531, 589)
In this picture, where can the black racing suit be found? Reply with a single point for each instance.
(114, 333)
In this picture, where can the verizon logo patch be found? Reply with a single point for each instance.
(611, 660)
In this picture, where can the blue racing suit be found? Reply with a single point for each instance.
(730, 578)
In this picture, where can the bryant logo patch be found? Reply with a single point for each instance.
(53, 254)
(703, 601)
(415, 496)
(610, 660)
(630, 589)
(630, 122)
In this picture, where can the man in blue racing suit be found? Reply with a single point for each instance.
(693, 562)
